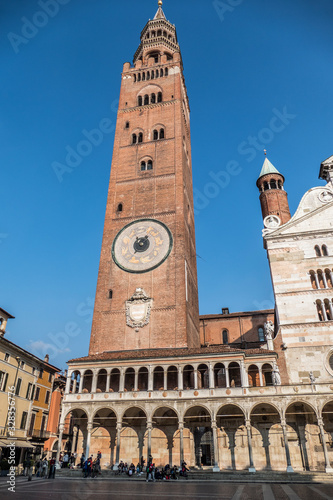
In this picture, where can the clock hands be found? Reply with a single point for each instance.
(141, 244)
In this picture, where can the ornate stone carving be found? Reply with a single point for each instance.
(276, 375)
(269, 330)
(138, 309)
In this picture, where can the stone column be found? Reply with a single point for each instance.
(136, 379)
(325, 280)
(89, 429)
(122, 380)
(149, 428)
(119, 426)
(244, 377)
(316, 280)
(331, 308)
(74, 386)
(260, 376)
(75, 430)
(227, 380)
(68, 383)
(61, 430)
(249, 441)
(81, 382)
(216, 467)
(180, 378)
(108, 375)
(211, 376)
(323, 310)
(181, 441)
(150, 378)
(94, 382)
(165, 379)
(331, 274)
(328, 467)
(286, 445)
(196, 378)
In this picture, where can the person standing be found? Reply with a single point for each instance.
(52, 468)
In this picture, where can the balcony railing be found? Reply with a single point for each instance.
(38, 434)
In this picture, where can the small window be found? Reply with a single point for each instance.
(161, 73)
(134, 78)
(261, 334)
(22, 365)
(110, 294)
(47, 397)
(143, 76)
(225, 337)
(139, 77)
(140, 100)
(159, 33)
(127, 125)
(324, 250)
(134, 138)
(148, 75)
(3, 380)
(153, 99)
(37, 394)
(150, 165)
(266, 186)
(50, 377)
(33, 370)
(6, 356)
(140, 138)
(162, 133)
(120, 207)
(159, 97)
(41, 371)
(157, 73)
(153, 75)
(32, 393)
(317, 250)
(18, 387)
(155, 134)
(166, 72)
(146, 100)
(273, 184)
(23, 420)
(28, 391)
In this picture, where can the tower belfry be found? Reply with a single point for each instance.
(147, 294)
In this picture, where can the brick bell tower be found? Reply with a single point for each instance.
(147, 293)
(273, 197)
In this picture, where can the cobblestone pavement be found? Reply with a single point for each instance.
(90, 489)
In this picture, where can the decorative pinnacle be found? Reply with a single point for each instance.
(265, 151)
(160, 3)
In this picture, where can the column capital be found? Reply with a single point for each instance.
(320, 422)
(248, 424)
(283, 422)
(90, 426)
(180, 425)
(61, 427)
(149, 425)
(214, 424)
(119, 426)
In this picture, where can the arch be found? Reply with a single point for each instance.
(197, 414)
(134, 138)
(253, 376)
(153, 98)
(327, 304)
(146, 100)
(155, 135)
(219, 376)
(172, 378)
(101, 380)
(328, 276)
(133, 413)
(143, 379)
(143, 76)
(317, 251)
(153, 75)
(197, 422)
(140, 137)
(267, 372)
(225, 337)
(159, 32)
(75, 381)
(161, 72)
(148, 75)
(273, 184)
(299, 402)
(140, 100)
(257, 409)
(149, 165)
(319, 305)
(159, 97)
(104, 416)
(87, 381)
(266, 186)
(76, 409)
(158, 378)
(120, 207)
(165, 34)
(320, 278)
(165, 415)
(324, 250)
(188, 377)
(279, 184)
(234, 375)
(129, 379)
(203, 376)
(166, 72)
(139, 77)
(162, 133)
(115, 380)
(157, 73)
(267, 435)
(313, 280)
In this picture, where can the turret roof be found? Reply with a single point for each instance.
(268, 168)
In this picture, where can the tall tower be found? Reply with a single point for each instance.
(147, 294)
(273, 198)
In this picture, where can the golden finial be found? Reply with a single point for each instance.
(265, 151)
(160, 3)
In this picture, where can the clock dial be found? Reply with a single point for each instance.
(142, 246)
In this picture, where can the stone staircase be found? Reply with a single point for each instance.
(224, 476)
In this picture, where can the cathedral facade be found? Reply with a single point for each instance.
(250, 390)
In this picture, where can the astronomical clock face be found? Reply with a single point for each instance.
(142, 246)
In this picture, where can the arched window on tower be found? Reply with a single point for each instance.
(139, 77)
(162, 133)
(317, 250)
(279, 185)
(159, 97)
(143, 76)
(266, 186)
(134, 78)
(153, 99)
(161, 72)
(324, 250)
(134, 138)
(146, 101)
(225, 337)
(120, 207)
(159, 33)
(143, 166)
(155, 135)
(139, 100)
(140, 138)
(165, 34)
(148, 75)
(273, 184)
(152, 74)
(153, 33)
(166, 72)
(150, 165)
(261, 334)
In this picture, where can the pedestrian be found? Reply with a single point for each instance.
(52, 468)
(65, 461)
(44, 468)
(82, 460)
(29, 467)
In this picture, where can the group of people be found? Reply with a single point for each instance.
(152, 472)
(43, 468)
(67, 460)
(91, 467)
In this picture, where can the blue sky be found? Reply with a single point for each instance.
(245, 62)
